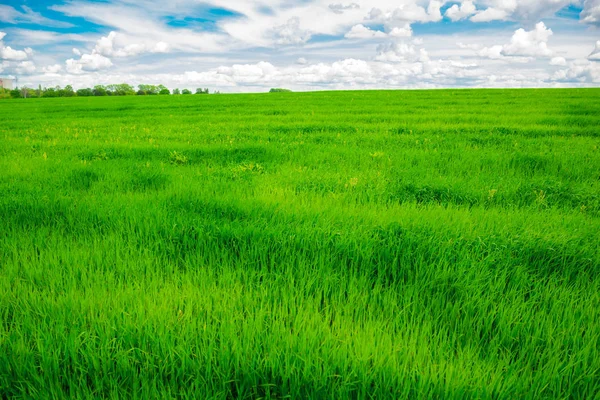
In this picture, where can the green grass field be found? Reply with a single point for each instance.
(333, 245)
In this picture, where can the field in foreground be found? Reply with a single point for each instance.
(435, 244)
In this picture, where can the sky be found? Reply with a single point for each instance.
(303, 45)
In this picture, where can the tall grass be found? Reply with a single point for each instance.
(435, 244)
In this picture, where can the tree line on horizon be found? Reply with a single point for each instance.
(122, 89)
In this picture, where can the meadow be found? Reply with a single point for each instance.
(331, 245)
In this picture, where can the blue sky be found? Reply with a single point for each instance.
(252, 45)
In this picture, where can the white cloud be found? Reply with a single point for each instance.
(475, 47)
(362, 32)
(340, 8)
(301, 61)
(595, 55)
(52, 69)
(25, 68)
(8, 53)
(290, 33)
(591, 12)
(490, 14)
(400, 32)
(406, 13)
(108, 46)
(456, 12)
(88, 62)
(249, 73)
(523, 45)
(532, 43)
(400, 53)
(580, 71)
(494, 52)
(519, 10)
(160, 47)
(558, 61)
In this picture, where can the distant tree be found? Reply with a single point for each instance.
(51, 92)
(141, 92)
(163, 90)
(67, 91)
(176, 91)
(279, 90)
(85, 92)
(186, 91)
(148, 89)
(100, 90)
(121, 89)
(16, 94)
(126, 89)
(27, 92)
(201, 91)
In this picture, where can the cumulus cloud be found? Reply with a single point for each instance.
(290, 33)
(400, 53)
(25, 68)
(519, 10)
(108, 47)
(456, 12)
(523, 45)
(493, 52)
(579, 71)
(362, 32)
(249, 73)
(591, 12)
(87, 63)
(8, 53)
(532, 43)
(490, 14)
(160, 47)
(407, 13)
(397, 21)
(400, 32)
(595, 55)
(52, 69)
(558, 61)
